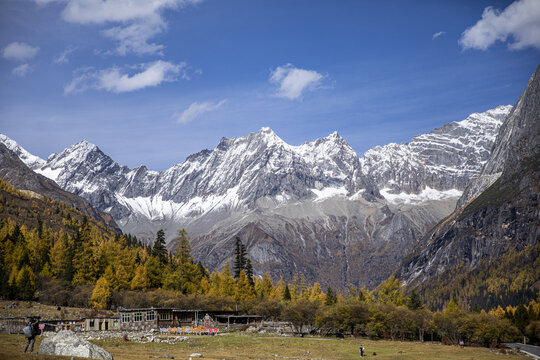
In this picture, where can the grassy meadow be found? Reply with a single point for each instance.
(248, 346)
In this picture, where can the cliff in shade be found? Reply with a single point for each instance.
(316, 208)
(497, 222)
(14, 172)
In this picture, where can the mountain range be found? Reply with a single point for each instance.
(316, 208)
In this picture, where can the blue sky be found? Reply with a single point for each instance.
(152, 81)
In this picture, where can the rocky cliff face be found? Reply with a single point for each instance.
(314, 208)
(505, 213)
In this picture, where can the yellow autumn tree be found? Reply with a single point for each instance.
(278, 291)
(59, 258)
(243, 289)
(390, 292)
(227, 283)
(101, 295)
(122, 277)
(365, 295)
(140, 280)
(265, 286)
(317, 293)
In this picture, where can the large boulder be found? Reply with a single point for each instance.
(67, 343)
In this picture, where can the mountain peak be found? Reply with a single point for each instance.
(32, 161)
(335, 134)
(335, 137)
(269, 136)
(85, 146)
(266, 130)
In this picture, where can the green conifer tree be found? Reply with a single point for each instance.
(239, 258)
(331, 296)
(249, 272)
(159, 250)
(287, 293)
(413, 301)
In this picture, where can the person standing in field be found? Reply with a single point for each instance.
(31, 330)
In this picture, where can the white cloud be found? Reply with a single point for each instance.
(63, 57)
(195, 110)
(19, 51)
(294, 81)
(437, 34)
(135, 37)
(22, 70)
(117, 81)
(102, 11)
(518, 24)
(138, 20)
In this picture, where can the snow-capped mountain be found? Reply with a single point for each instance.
(444, 159)
(313, 208)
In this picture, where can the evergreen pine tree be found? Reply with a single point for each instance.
(159, 250)
(249, 272)
(413, 301)
(331, 296)
(287, 293)
(202, 269)
(239, 257)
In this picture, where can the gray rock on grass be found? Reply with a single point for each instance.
(67, 343)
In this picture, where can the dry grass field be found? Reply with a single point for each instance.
(32, 308)
(247, 346)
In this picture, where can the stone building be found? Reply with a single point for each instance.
(162, 318)
(102, 323)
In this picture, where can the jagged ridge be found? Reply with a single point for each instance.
(308, 208)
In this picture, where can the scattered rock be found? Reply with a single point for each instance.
(168, 356)
(196, 355)
(67, 343)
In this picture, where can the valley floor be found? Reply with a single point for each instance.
(248, 346)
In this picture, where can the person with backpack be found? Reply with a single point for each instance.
(31, 330)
